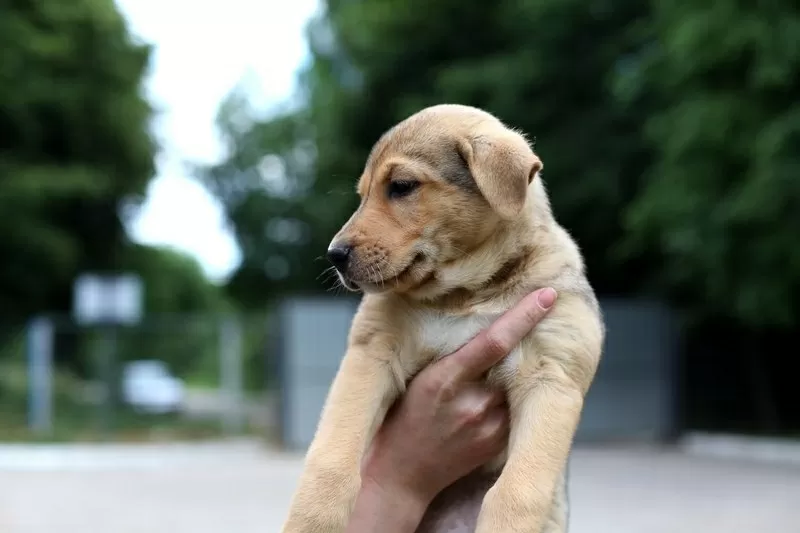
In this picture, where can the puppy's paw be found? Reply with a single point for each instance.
(322, 504)
(507, 511)
(316, 520)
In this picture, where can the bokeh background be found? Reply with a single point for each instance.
(211, 149)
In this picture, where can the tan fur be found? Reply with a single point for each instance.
(437, 266)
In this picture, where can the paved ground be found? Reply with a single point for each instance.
(241, 488)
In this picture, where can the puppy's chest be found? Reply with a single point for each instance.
(441, 334)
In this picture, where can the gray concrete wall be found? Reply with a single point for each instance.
(632, 398)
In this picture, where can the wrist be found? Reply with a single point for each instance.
(404, 495)
(389, 507)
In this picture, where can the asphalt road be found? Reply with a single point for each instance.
(243, 488)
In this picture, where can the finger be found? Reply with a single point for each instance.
(495, 427)
(479, 393)
(473, 402)
(499, 339)
(496, 398)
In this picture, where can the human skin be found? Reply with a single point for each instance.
(447, 424)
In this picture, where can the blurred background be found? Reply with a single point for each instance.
(172, 172)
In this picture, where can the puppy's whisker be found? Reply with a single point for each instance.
(327, 272)
(337, 287)
(329, 277)
(383, 279)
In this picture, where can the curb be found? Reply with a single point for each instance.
(759, 449)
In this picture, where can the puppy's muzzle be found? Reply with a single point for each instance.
(339, 256)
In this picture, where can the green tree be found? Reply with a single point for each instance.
(182, 311)
(74, 147)
(668, 134)
(175, 282)
(722, 202)
(549, 68)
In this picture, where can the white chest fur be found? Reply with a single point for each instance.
(443, 334)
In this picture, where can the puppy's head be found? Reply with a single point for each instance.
(434, 187)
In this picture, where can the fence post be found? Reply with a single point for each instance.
(40, 375)
(230, 351)
(107, 357)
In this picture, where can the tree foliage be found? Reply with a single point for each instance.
(669, 135)
(76, 156)
(74, 146)
(722, 198)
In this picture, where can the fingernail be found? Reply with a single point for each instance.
(547, 298)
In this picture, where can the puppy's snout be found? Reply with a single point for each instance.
(339, 255)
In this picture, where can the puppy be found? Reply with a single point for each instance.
(453, 229)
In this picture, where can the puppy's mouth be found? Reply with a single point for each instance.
(383, 283)
(348, 284)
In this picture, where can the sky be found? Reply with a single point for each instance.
(202, 50)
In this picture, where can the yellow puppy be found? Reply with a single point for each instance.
(453, 229)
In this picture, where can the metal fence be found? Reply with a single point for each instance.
(177, 376)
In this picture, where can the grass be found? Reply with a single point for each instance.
(78, 426)
(75, 419)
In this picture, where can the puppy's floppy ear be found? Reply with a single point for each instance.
(503, 165)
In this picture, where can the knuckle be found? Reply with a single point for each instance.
(492, 439)
(474, 412)
(533, 316)
(445, 390)
(495, 430)
(495, 344)
(473, 415)
(487, 402)
(429, 383)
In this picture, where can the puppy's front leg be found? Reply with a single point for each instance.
(543, 422)
(546, 395)
(360, 396)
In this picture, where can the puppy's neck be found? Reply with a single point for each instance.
(493, 268)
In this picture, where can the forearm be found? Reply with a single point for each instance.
(385, 510)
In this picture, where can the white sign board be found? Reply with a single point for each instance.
(103, 299)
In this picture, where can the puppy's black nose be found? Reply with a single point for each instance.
(338, 255)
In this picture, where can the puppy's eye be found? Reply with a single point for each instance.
(401, 188)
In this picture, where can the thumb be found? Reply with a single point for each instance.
(495, 342)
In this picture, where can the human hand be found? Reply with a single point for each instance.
(448, 423)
